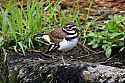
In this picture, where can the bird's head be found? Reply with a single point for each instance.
(70, 28)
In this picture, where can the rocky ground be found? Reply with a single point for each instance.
(78, 66)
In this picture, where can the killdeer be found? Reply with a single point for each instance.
(62, 39)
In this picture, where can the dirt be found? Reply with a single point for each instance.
(75, 55)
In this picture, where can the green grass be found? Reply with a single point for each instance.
(19, 25)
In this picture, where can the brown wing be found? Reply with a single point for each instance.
(57, 35)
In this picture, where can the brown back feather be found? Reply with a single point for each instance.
(57, 35)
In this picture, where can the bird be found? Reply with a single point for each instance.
(62, 39)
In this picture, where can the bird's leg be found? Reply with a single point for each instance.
(62, 58)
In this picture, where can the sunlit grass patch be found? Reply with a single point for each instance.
(20, 24)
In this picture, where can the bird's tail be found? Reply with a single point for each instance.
(52, 47)
(43, 38)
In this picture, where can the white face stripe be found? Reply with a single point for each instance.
(74, 35)
(72, 31)
(69, 25)
(74, 27)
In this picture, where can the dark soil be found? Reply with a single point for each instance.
(74, 55)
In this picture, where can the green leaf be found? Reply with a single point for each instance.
(104, 46)
(95, 45)
(114, 24)
(1, 41)
(92, 42)
(91, 34)
(108, 51)
(22, 47)
(117, 18)
(115, 34)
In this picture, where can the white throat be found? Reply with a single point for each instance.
(72, 31)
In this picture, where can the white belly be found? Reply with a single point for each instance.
(68, 45)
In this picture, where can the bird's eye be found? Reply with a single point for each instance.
(69, 28)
